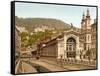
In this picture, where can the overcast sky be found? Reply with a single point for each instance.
(67, 13)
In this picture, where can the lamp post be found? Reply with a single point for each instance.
(38, 51)
(65, 55)
(61, 58)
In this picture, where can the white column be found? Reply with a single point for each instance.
(65, 46)
(77, 49)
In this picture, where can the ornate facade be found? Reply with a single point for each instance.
(94, 38)
(73, 43)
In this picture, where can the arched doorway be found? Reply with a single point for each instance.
(71, 47)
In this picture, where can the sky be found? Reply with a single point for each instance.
(67, 13)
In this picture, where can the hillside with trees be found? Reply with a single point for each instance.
(30, 38)
(31, 23)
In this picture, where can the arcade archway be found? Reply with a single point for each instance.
(71, 47)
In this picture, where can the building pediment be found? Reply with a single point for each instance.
(72, 31)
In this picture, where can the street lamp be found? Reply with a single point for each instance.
(64, 55)
(61, 58)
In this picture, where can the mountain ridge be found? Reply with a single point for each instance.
(31, 23)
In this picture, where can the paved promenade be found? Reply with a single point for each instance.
(50, 64)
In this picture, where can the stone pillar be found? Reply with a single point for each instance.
(60, 48)
(77, 49)
(65, 40)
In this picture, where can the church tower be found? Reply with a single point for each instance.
(86, 30)
(83, 22)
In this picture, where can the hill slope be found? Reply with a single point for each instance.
(31, 23)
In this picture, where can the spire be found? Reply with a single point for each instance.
(88, 14)
(83, 16)
(71, 25)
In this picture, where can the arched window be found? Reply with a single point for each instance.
(71, 44)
